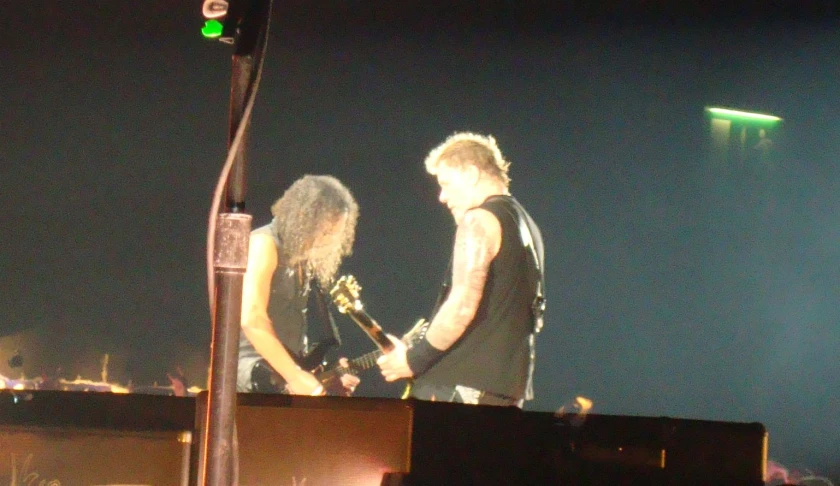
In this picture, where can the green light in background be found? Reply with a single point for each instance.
(744, 116)
(212, 29)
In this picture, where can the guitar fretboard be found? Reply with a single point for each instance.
(366, 361)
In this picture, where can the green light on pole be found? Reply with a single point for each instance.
(212, 29)
(744, 116)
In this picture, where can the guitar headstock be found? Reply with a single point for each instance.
(345, 294)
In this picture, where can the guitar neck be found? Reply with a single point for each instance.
(372, 328)
(366, 361)
(355, 365)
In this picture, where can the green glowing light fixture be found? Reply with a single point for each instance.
(743, 116)
(212, 29)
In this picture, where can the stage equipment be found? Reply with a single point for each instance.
(64, 438)
(282, 439)
(287, 439)
(246, 26)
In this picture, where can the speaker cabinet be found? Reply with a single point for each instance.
(316, 441)
(463, 444)
(58, 456)
(68, 438)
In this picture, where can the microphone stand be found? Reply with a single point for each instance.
(230, 255)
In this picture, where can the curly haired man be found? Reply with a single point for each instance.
(312, 230)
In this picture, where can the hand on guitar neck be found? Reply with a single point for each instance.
(341, 380)
(345, 294)
(394, 364)
(332, 377)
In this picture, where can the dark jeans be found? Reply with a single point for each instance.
(462, 394)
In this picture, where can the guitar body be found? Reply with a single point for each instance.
(264, 379)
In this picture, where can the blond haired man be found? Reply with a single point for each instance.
(479, 347)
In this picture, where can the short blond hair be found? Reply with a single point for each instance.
(464, 149)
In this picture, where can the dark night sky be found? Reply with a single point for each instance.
(675, 287)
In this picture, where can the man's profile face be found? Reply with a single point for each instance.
(456, 189)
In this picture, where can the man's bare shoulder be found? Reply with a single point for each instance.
(262, 250)
(483, 222)
(262, 238)
(481, 232)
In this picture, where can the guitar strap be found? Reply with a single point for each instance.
(324, 315)
(528, 229)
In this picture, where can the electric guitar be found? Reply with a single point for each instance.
(368, 360)
(345, 295)
(266, 380)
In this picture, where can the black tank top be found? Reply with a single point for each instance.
(493, 354)
(286, 306)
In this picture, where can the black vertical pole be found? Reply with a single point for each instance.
(230, 255)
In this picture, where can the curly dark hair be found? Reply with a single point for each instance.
(299, 218)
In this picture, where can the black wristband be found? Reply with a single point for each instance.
(422, 356)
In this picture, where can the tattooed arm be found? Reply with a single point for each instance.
(477, 242)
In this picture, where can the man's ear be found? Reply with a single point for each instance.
(473, 174)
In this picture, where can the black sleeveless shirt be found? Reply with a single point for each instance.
(493, 354)
(287, 306)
